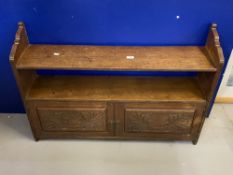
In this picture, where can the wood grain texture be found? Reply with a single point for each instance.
(115, 88)
(82, 118)
(154, 120)
(116, 121)
(176, 58)
(208, 81)
(158, 120)
(213, 47)
(24, 78)
(117, 107)
(73, 119)
(20, 43)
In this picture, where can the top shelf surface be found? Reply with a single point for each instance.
(128, 58)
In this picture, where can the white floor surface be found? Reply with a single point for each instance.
(213, 155)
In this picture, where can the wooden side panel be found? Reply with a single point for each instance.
(73, 119)
(208, 81)
(158, 120)
(20, 44)
(24, 78)
(213, 47)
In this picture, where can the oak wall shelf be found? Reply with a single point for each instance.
(117, 107)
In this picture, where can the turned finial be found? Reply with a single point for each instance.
(21, 24)
(214, 25)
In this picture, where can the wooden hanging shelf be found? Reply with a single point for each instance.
(117, 107)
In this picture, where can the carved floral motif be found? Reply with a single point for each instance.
(150, 121)
(80, 120)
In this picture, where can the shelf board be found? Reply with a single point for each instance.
(115, 88)
(146, 58)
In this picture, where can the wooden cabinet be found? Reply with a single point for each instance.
(117, 107)
(120, 120)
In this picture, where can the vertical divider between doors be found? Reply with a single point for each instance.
(118, 119)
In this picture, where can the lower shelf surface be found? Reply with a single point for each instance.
(115, 88)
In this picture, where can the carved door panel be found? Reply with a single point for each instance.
(149, 120)
(81, 119)
(158, 120)
(72, 119)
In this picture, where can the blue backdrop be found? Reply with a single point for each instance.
(108, 22)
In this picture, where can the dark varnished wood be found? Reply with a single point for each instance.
(117, 107)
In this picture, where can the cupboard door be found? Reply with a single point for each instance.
(159, 120)
(72, 119)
